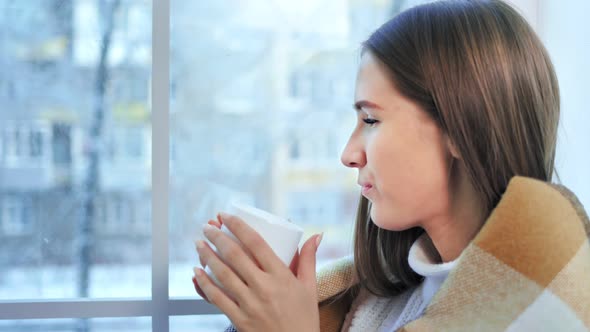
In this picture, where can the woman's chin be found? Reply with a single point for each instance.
(390, 223)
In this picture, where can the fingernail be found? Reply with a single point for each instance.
(198, 272)
(222, 216)
(208, 228)
(200, 245)
(318, 239)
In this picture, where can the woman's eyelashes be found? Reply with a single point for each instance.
(370, 121)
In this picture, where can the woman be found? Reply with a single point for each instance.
(458, 227)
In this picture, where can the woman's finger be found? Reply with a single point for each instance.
(217, 297)
(223, 273)
(254, 243)
(214, 223)
(198, 289)
(306, 271)
(294, 263)
(201, 260)
(233, 255)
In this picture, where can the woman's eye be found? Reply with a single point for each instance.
(370, 122)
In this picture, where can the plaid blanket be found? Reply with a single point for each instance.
(528, 269)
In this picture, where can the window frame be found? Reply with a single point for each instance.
(160, 306)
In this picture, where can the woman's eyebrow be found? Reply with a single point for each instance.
(365, 103)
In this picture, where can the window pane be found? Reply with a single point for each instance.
(260, 111)
(564, 31)
(137, 324)
(75, 180)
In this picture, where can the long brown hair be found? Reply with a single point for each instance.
(482, 74)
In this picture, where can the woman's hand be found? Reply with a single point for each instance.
(197, 288)
(261, 294)
(217, 223)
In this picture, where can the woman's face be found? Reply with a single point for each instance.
(401, 155)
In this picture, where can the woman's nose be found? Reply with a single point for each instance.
(353, 155)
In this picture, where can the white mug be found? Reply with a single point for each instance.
(281, 235)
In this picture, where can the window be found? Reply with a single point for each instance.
(111, 161)
(23, 143)
(72, 83)
(35, 144)
(117, 213)
(61, 144)
(14, 215)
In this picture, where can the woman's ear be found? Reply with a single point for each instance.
(452, 148)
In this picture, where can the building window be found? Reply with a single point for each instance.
(36, 144)
(62, 144)
(23, 144)
(14, 216)
(116, 213)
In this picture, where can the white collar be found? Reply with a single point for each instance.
(423, 259)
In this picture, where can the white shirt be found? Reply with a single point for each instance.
(389, 314)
